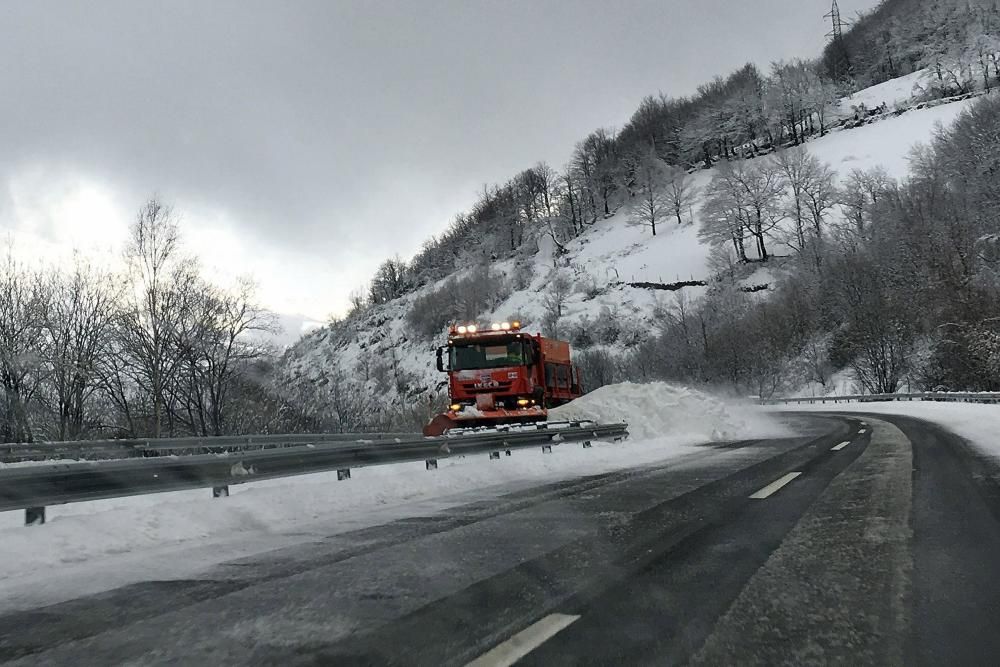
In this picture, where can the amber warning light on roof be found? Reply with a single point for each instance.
(463, 329)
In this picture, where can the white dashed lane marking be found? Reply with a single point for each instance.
(837, 448)
(774, 486)
(524, 642)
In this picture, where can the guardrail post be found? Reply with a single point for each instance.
(431, 464)
(343, 473)
(34, 516)
(220, 491)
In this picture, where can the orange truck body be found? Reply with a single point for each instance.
(503, 376)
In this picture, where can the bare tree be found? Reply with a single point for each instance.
(584, 170)
(809, 184)
(880, 324)
(820, 195)
(787, 97)
(723, 219)
(649, 205)
(554, 300)
(389, 281)
(358, 300)
(820, 96)
(154, 306)
(596, 161)
(222, 339)
(749, 191)
(572, 201)
(547, 181)
(679, 192)
(861, 192)
(22, 306)
(795, 166)
(78, 322)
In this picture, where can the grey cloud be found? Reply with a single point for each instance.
(348, 128)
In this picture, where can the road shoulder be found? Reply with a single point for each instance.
(836, 589)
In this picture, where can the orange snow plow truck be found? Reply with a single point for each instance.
(502, 375)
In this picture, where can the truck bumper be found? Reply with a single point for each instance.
(474, 418)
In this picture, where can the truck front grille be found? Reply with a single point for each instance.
(498, 388)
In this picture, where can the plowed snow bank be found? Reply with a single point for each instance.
(658, 409)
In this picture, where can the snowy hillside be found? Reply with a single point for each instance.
(379, 351)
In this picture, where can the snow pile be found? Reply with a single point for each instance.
(660, 409)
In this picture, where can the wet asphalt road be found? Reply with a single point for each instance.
(883, 549)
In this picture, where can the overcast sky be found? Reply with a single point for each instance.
(304, 142)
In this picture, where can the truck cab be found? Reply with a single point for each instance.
(502, 374)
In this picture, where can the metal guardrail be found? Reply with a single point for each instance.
(95, 450)
(33, 487)
(952, 397)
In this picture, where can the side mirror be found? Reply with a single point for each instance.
(440, 360)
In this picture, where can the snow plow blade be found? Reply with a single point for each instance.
(476, 418)
(439, 425)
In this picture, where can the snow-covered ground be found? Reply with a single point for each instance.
(898, 92)
(87, 547)
(978, 423)
(886, 143)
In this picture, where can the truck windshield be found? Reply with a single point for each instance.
(489, 355)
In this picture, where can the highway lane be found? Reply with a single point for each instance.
(829, 547)
(956, 547)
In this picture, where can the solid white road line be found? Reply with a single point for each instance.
(839, 447)
(775, 485)
(524, 642)
(861, 431)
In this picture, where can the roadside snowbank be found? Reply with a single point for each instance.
(660, 409)
(978, 423)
